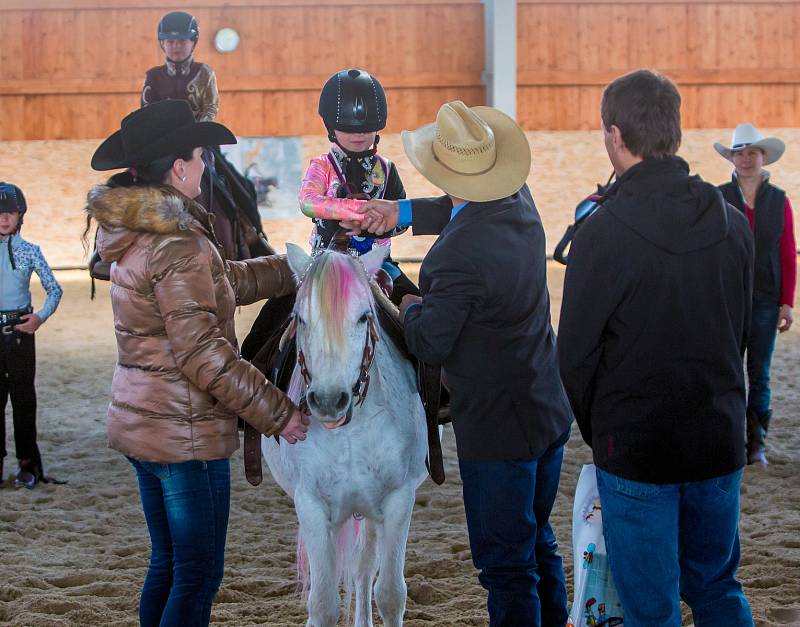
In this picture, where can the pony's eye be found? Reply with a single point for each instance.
(300, 321)
(364, 317)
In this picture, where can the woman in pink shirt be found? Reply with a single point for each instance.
(770, 215)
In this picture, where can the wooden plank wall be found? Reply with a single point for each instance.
(734, 60)
(74, 68)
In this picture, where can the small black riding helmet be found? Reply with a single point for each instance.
(178, 25)
(353, 101)
(12, 200)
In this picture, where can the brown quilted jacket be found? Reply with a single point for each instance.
(179, 382)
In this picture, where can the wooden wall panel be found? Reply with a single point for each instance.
(72, 68)
(87, 65)
(734, 61)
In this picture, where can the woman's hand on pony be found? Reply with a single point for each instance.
(295, 429)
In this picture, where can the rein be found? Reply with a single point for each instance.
(361, 386)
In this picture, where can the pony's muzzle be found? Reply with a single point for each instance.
(328, 404)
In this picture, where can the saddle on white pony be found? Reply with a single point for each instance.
(277, 360)
(353, 480)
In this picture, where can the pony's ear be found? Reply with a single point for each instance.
(299, 261)
(374, 259)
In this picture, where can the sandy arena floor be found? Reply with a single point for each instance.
(77, 554)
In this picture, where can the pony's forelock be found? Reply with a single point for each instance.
(335, 280)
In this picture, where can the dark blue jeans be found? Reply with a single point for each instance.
(671, 541)
(508, 507)
(186, 507)
(760, 344)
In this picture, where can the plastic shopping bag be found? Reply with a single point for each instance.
(596, 602)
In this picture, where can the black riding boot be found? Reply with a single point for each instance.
(757, 425)
(28, 474)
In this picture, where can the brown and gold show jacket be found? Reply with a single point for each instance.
(191, 81)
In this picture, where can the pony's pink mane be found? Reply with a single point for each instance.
(336, 280)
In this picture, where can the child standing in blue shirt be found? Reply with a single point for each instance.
(18, 323)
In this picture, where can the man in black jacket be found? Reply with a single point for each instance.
(484, 315)
(653, 328)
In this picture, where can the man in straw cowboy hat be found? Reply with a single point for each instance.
(484, 315)
(769, 213)
(654, 322)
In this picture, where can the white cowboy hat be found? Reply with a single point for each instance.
(748, 135)
(478, 153)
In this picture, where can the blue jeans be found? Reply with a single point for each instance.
(671, 541)
(186, 507)
(760, 344)
(508, 507)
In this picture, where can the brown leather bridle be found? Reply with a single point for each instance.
(361, 386)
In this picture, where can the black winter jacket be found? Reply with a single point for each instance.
(653, 327)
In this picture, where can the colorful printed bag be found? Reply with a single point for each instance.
(596, 601)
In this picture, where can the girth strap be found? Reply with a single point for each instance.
(276, 364)
(430, 390)
(252, 455)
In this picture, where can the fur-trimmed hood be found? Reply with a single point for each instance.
(123, 213)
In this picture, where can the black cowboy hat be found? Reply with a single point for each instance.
(163, 128)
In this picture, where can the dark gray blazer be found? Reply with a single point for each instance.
(486, 320)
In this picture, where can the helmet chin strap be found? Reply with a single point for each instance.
(355, 155)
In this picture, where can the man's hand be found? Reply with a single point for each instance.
(380, 216)
(295, 429)
(785, 318)
(32, 322)
(408, 300)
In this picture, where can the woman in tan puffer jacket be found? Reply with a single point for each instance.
(179, 382)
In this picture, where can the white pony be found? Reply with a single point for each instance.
(364, 456)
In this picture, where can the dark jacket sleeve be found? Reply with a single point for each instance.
(430, 215)
(456, 288)
(593, 287)
(394, 185)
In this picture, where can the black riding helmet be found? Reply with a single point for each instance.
(12, 200)
(178, 25)
(353, 101)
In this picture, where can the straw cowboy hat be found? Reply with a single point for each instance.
(478, 153)
(748, 135)
(163, 128)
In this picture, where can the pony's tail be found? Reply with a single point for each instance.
(349, 545)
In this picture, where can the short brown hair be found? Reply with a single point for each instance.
(646, 107)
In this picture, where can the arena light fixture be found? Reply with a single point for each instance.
(226, 40)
